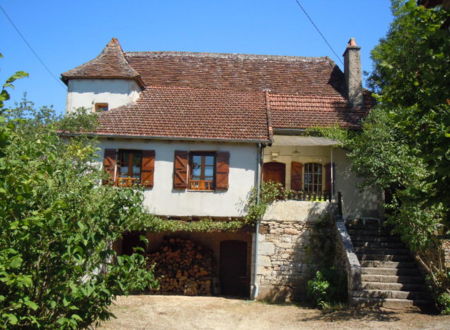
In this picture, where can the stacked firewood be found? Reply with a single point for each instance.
(182, 267)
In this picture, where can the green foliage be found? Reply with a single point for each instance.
(444, 303)
(155, 224)
(327, 288)
(57, 266)
(404, 147)
(256, 207)
(317, 289)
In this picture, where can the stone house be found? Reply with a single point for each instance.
(200, 130)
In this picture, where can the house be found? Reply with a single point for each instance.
(200, 130)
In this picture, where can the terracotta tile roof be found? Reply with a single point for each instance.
(190, 113)
(279, 74)
(221, 96)
(293, 111)
(111, 63)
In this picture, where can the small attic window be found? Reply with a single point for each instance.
(100, 107)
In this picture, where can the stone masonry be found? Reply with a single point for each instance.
(284, 257)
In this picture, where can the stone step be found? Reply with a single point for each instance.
(391, 278)
(384, 257)
(371, 238)
(388, 264)
(393, 286)
(381, 251)
(366, 232)
(388, 245)
(377, 271)
(395, 294)
(392, 303)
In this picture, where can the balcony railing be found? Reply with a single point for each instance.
(127, 181)
(201, 185)
(319, 196)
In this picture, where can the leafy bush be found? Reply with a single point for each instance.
(443, 301)
(317, 290)
(327, 288)
(57, 265)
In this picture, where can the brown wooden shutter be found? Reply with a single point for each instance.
(109, 165)
(296, 176)
(147, 168)
(222, 170)
(328, 168)
(180, 170)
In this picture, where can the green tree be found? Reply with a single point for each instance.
(57, 265)
(404, 147)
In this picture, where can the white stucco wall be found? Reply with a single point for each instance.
(162, 199)
(86, 92)
(356, 201)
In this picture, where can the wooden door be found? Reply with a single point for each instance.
(234, 278)
(274, 172)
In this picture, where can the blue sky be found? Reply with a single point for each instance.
(68, 33)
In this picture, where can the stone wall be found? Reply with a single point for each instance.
(287, 250)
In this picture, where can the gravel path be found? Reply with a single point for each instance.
(180, 312)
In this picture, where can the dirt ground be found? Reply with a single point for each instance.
(179, 312)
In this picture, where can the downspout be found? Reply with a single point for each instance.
(332, 173)
(254, 285)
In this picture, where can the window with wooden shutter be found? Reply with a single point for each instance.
(222, 170)
(109, 165)
(180, 170)
(147, 168)
(202, 169)
(296, 176)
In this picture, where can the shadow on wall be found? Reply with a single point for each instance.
(302, 248)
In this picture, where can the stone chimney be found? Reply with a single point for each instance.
(352, 72)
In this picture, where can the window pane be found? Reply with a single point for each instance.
(209, 160)
(209, 171)
(123, 171)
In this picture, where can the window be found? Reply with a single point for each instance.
(202, 171)
(129, 167)
(313, 178)
(100, 107)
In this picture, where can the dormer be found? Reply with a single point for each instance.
(106, 82)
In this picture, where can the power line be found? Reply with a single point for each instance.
(318, 30)
(29, 46)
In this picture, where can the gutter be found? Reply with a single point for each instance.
(254, 285)
(170, 138)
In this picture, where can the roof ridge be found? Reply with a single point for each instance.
(232, 55)
(206, 89)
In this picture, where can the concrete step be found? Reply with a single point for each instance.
(395, 294)
(380, 278)
(384, 257)
(383, 251)
(403, 304)
(388, 264)
(394, 286)
(388, 245)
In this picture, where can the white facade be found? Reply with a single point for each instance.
(356, 200)
(85, 93)
(163, 200)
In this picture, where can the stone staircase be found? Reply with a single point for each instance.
(389, 274)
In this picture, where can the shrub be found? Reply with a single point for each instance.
(57, 265)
